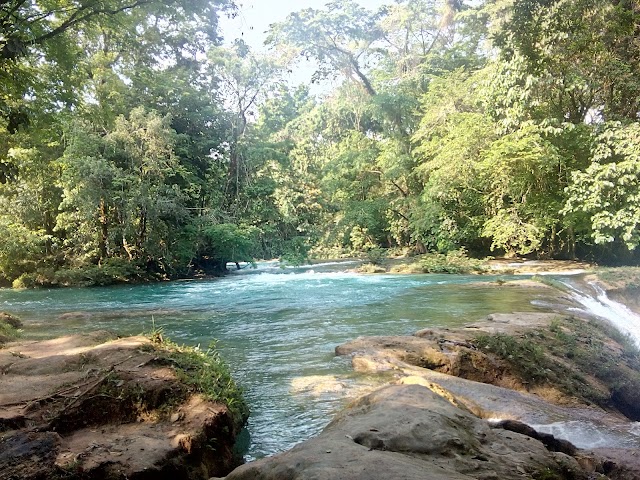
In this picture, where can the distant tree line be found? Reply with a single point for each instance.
(134, 145)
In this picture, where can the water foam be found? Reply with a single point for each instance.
(601, 305)
(589, 435)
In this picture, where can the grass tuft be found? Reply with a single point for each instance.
(204, 372)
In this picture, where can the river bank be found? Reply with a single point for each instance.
(455, 389)
(95, 406)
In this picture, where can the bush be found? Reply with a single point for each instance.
(376, 256)
(453, 262)
(204, 372)
(525, 355)
(296, 252)
(227, 242)
(9, 327)
(112, 271)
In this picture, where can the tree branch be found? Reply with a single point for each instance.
(77, 18)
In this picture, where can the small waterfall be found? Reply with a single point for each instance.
(589, 435)
(595, 434)
(599, 304)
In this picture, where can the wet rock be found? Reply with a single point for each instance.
(625, 395)
(552, 443)
(409, 432)
(28, 455)
(616, 463)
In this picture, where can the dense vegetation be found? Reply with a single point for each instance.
(132, 144)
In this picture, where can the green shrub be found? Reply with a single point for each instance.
(296, 252)
(9, 327)
(111, 271)
(227, 242)
(376, 255)
(524, 355)
(204, 372)
(455, 261)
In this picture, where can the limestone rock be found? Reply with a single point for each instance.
(79, 407)
(409, 432)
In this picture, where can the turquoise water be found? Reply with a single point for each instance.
(276, 328)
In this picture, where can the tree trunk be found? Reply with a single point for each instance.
(104, 231)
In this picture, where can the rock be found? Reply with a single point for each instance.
(317, 384)
(28, 455)
(79, 407)
(552, 443)
(625, 395)
(453, 355)
(409, 432)
(618, 463)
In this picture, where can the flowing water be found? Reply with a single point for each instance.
(594, 301)
(277, 328)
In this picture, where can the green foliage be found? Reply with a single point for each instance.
(8, 332)
(512, 234)
(524, 354)
(205, 372)
(19, 248)
(609, 189)
(227, 242)
(520, 175)
(128, 132)
(455, 261)
(122, 191)
(112, 271)
(453, 134)
(559, 67)
(376, 256)
(295, 252)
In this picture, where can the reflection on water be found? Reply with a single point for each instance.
(277, 328)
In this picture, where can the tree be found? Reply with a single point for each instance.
(339, 38)
(243, 80)
(608, 191)
(522, 174)
(122, 191)
(570, 60)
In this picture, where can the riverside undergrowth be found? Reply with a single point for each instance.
(204, 372)
(587, 360)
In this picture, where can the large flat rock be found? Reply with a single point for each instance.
(409, 432)
(96, 406)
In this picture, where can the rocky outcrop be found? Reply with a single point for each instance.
(562, 359)
(629, 296)
(522, 368)
(93, 406)
(409, 432)
(541, 370)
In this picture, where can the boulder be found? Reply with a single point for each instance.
(410, 432)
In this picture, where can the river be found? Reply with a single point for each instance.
(277, 328)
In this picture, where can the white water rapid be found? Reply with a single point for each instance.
(594, 302)
(600, 305)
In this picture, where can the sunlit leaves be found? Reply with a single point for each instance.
(609, 189)
(120, 190)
